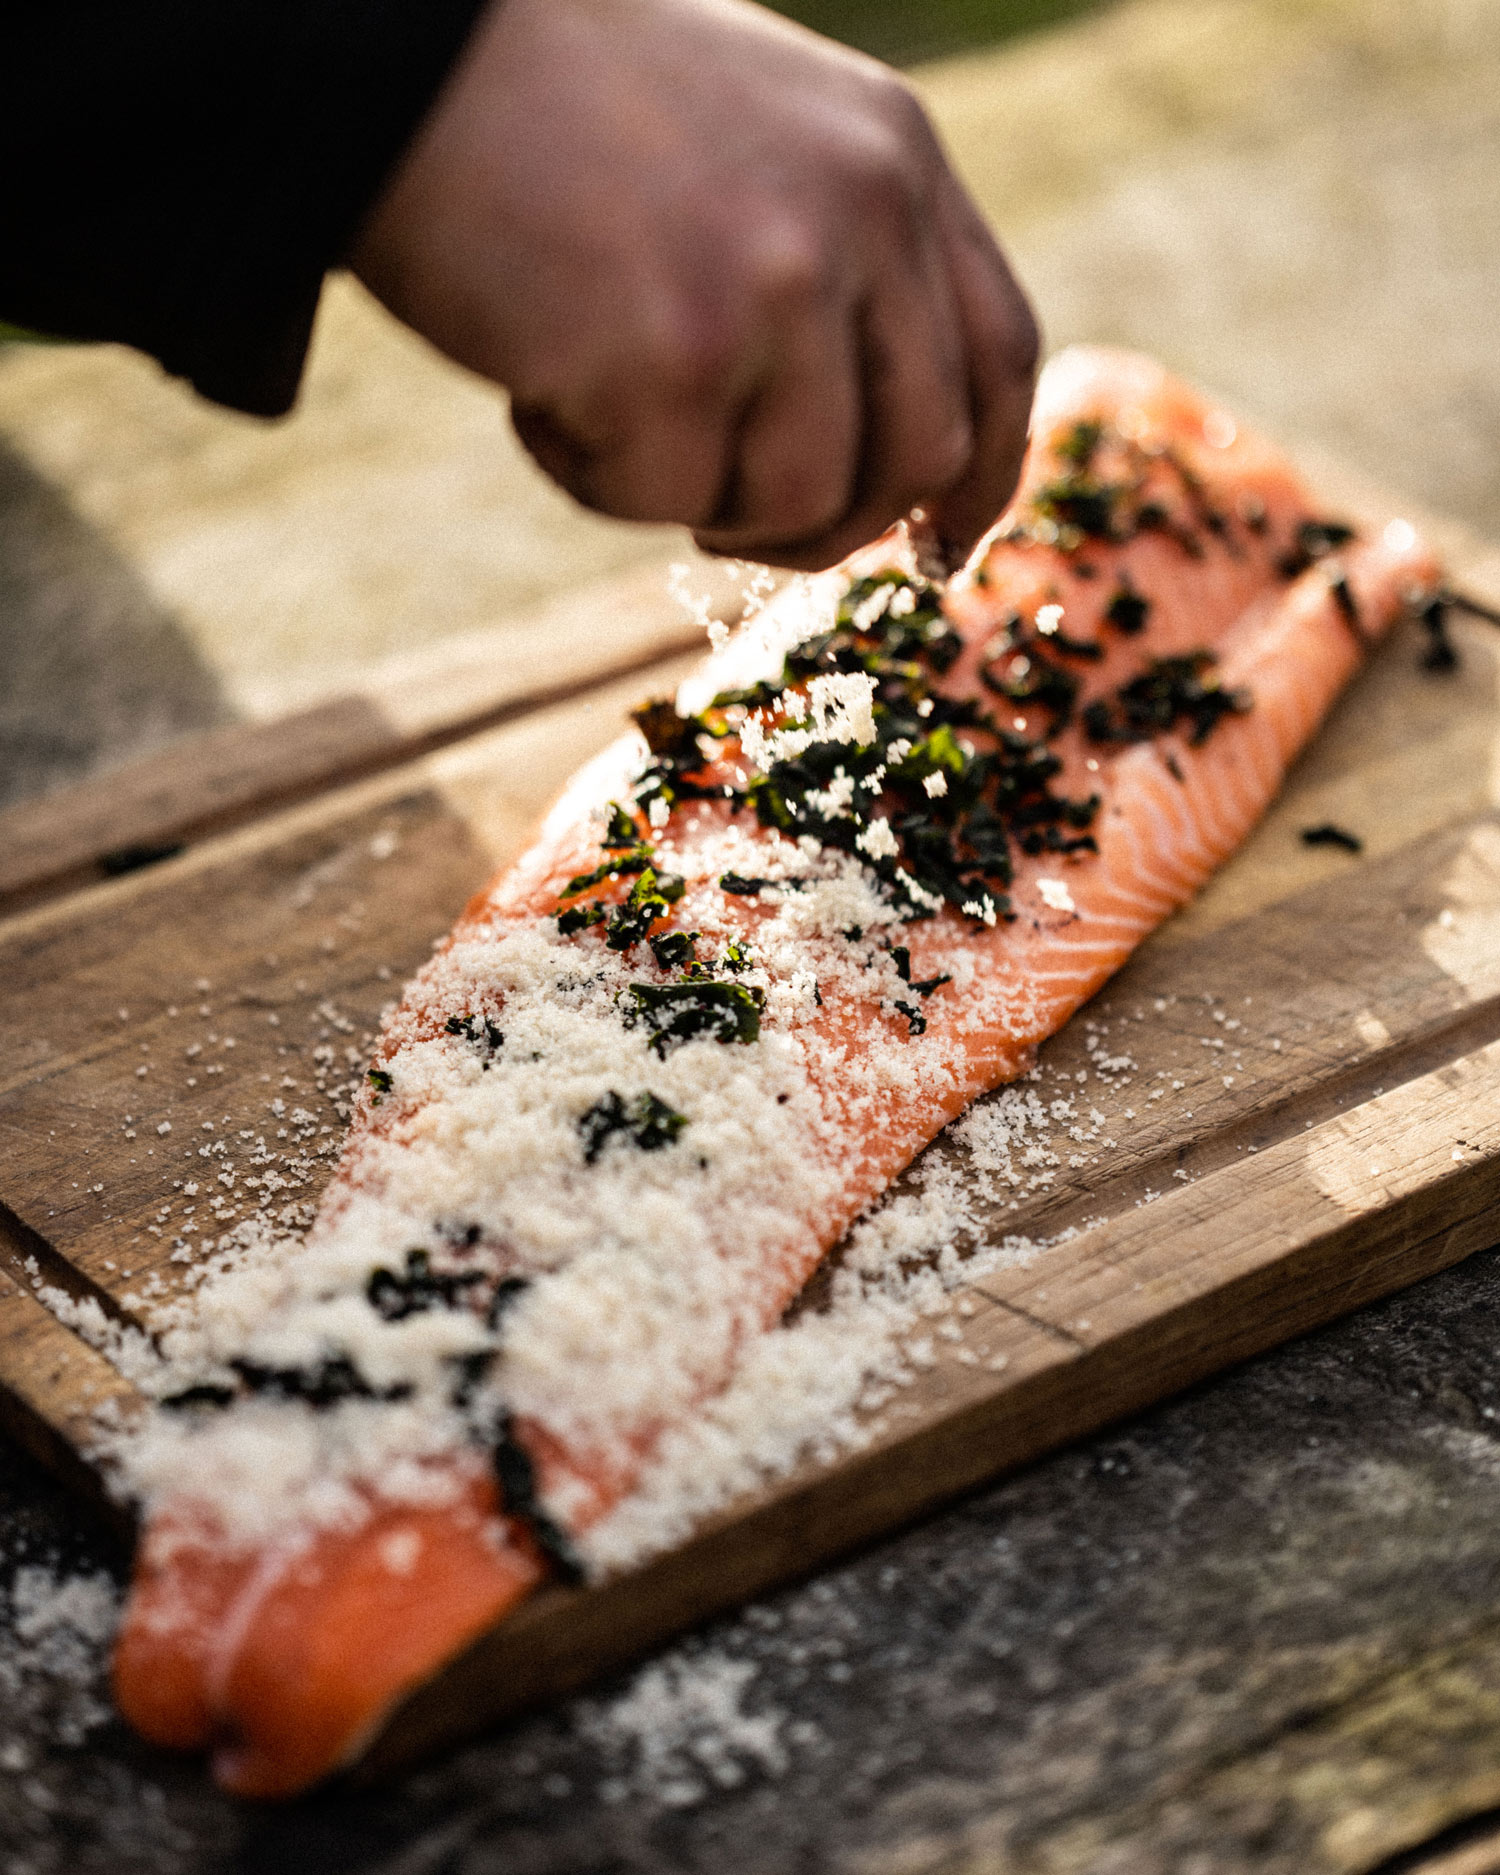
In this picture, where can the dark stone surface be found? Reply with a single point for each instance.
(1125, 1658)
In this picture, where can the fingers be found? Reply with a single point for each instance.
(919, 433)
(656, 438)
(797, 453)
(947, 348)
(800, 354)
(871, 422)
(1001, 343)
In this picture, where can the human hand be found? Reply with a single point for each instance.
(724, 270)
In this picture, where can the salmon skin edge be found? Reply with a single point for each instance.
(1166, 614)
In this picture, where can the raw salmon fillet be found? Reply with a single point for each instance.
(885, 846)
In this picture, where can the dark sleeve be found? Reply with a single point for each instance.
(179, 174)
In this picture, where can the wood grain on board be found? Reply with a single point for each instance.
(1478, 1857)
(222, 778)
(1287, 1093)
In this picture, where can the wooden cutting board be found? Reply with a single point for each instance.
(1303, 1111)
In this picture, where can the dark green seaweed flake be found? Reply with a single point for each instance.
(916, 1021)
(673, 949)
(674, 1013)
(516, 1476)
(738, 886)
(485, 1035)
(1314, 540)
(417, 1288)
(322, 1384)
(648, 1123)
(1026, 677)
(1077, 446)
(622, 832)
(635, 861)
(651, 897)
(667, 733)
(1128, 610)
(1087, 508)
(1168, 691)
(580, 918)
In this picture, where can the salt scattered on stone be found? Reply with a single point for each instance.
(55, 1631)
(681, 1730)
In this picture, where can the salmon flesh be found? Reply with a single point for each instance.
(760, 954)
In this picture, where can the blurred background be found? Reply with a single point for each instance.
(1295, 202)
(907, 32)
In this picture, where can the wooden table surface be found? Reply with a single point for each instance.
(1256, 1629)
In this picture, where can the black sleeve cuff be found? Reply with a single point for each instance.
(181, 173)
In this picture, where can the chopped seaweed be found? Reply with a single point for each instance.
(1128, 610)
(667, 734)
(621, 834)
(673, 949)
(937, 803)
(1313, 541)
(674, 1013)
(418, 1288)
(638, 859)
(324, 1384)
(953, 844)
(651, 897)
(508, 1291)
(1168, 691)
(484, 1034)
(1439, 653)
(1327, 834)
(917, 1022)
(516, 1476)
(1025, 676)
(580, 917)
(738, 886)
(648, 1123)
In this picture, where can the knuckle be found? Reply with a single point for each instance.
(889, 184)
(882, 150)
(792, 268)
(907, 116)
(688, 357)
(890, 102)
(948, 454)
